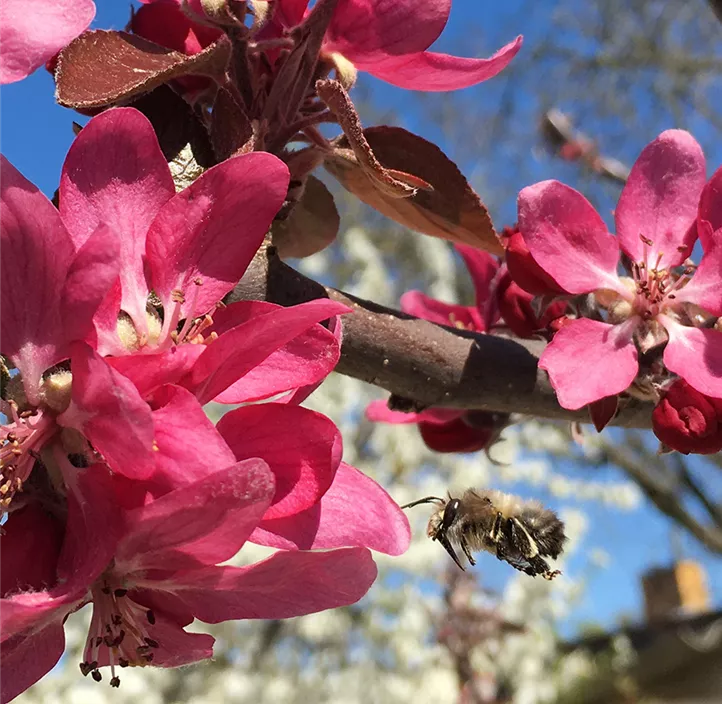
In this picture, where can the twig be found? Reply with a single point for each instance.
(662, 493)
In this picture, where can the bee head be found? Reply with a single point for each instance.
(443, 518)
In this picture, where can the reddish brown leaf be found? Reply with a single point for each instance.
(101, 68)
(230, 130)
(391, 182)
(312, 224)
(452, 210)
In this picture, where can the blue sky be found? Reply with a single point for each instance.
(35, 134)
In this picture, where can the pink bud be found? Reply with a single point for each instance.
(688, 421)
(522, 267)
(515, 306)
(474, 431)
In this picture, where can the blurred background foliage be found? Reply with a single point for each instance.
(622, 71)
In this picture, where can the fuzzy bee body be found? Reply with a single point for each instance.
(519, 532)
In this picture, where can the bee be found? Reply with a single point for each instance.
(517, 531)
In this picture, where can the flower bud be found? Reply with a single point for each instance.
(687, 421)
(522, 267)
(516, 307)
(471, 432)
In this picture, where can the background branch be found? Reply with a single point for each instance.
(426, 363)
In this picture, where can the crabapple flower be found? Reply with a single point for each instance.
(155, 568)
(687, 421)
(389, 40)
(32, 31)
(189, 249)
(658, 219)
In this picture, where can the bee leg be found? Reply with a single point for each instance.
(467, 552)
(538, 565)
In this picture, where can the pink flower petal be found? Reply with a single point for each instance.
(30, 547)
(84, 556)
(33, 32)
(285, 585)
(483, 269)
(181, 428)
(26, 658)
(239, 350)
(429, 71)
(91, 276)
(165, 23)
(304, 361)
(568, 239)
(151, 371)
(108, 410)
(360, 28)
(87, 551)
(452, 315)
(37, 252)
(696, 355)
(710, 204)
(379, 412)
(197, 524)
(660, 199)
(354, 512)
(210, 231)
(705, 288)
(302, 448)
(116, 175)
(588, 360)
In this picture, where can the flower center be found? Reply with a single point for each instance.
(655, 287)
(118, 634)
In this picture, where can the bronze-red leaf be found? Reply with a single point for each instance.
(312, 224)
(101, 68)
(451, 210)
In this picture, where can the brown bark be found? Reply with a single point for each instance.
(425, 363)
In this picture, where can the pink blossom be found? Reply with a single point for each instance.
(190, 249)
(658, 219)
(163, 573)
(32, 31)
(386, 38)
(389, 39)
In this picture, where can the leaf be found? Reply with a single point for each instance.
(451, 210)
(312, 224)
(231, 131)
(101, 67)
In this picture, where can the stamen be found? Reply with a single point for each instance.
(119, 625)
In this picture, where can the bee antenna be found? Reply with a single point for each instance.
(426, 500)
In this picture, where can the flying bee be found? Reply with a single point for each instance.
(517, 531)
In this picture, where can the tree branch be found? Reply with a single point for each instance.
(633, 458)
(426, 363)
